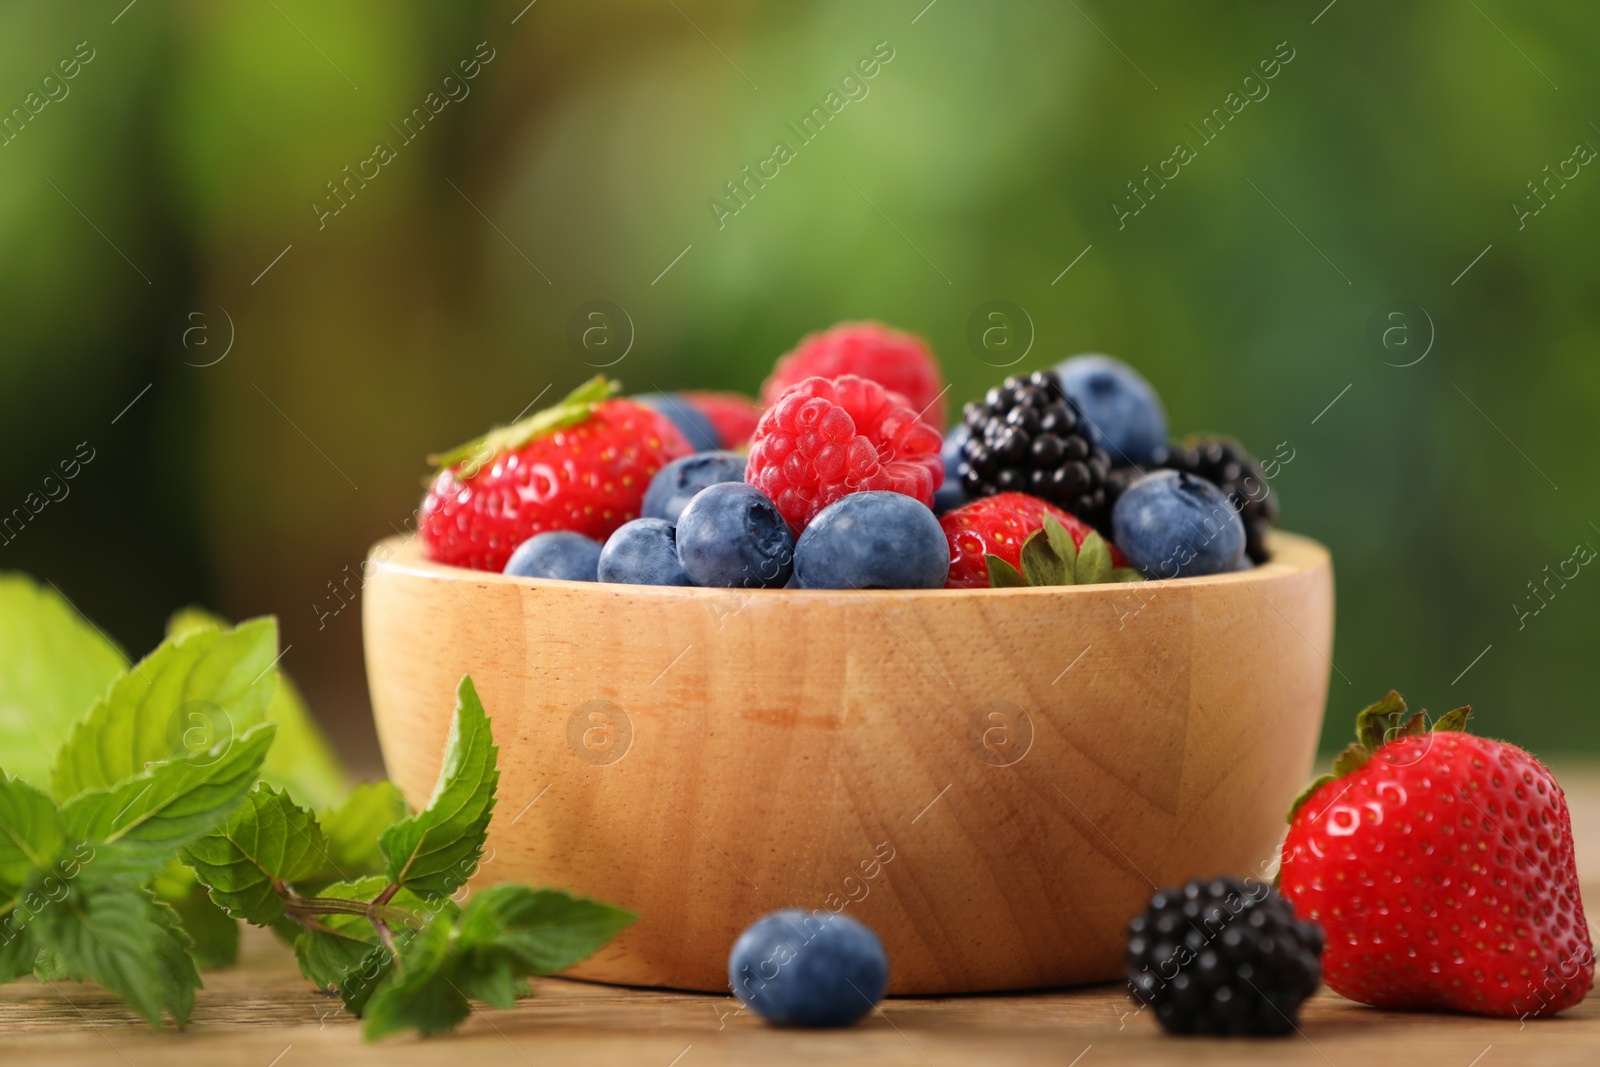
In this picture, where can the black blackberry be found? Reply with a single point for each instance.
(1025, 436)
(1224, 463)
(1223, 956)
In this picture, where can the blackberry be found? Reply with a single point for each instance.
(1027, 437)
(1223, 956)
(1224, 463)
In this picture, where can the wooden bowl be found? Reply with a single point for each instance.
(992, 780)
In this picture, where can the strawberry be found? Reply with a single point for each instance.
(734, 415)
(900, 362)
(1441, 867)
(582, 465)
(999, 526)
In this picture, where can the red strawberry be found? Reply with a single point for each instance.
(582, 465)
(826, 439)
(733, 415)
(998, 525)
(897, 361)
(1441, 867)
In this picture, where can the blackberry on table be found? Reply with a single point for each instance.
(1222, 956)
(1224, 463)
(1025, 436)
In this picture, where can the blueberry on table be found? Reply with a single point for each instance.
(731, 535)
(642, 552)
(690, 420)
(873, 540)
(1223, 956)
(679, 481)
(560, 554)
(1171, 524)
(1121, 406)
(818, 969)
(951, 494)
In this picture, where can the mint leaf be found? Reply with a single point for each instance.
(49, 967)
(31, 833)
(342, 952)
(435, 851)
(353, 829)
(187, 695)
(1094, 560)
(19, 952)
(510, 932)
(53, 665)
(300, 761)
(269, 841)
(120, 937)
(215, 933)
(422, 995)
(170, 804)
(1040, 564)
(1002, 575)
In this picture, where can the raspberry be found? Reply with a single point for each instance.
(826, 439)
(897, 361)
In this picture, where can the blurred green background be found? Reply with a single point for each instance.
(257, 379)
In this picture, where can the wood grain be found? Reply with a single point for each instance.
(263, 1013)
(993, 780)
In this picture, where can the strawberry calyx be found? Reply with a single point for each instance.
(1376, 726)
(575, 407)
(1051, 557)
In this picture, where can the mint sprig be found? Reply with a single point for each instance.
(177, 808)
(1051, 557)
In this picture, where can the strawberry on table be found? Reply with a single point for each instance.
(582, 465)
(999, 525)
(1441, 867)
(827, 438)
(898, 361)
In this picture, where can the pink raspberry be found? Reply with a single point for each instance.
(825, 439)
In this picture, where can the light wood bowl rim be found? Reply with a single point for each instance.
(1291, 554)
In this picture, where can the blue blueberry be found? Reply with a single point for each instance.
(820, 969)
(642, 552)
(731, 535)
(677, 483)
(689, 420)
(1171, 524)
(873, 540)
(1120, 405)
(951, 495)
(560, 554)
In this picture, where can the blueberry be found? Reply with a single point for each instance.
(820, 969)
(643, 552)
(873, 540)
(676, 484)
(689, 420)
(732, 535)
(1122, 407)
(1171, 524)
(951, 495)
(559, 554)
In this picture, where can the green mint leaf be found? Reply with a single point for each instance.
(510, 932)
(575, 407)
(49, 967)
(435, 851)
(187, 695)
(422, 994)
(1065, 547)
(53, 665)
(353, 829)
(269, 842)
(1003, 575)
(155, 813)
(342, 952)
(1454, 720)
(300, 761)
(1094, 560)
(215, 933)
(19, 953)
(31, 833)
(120, 937)
(1040, 564)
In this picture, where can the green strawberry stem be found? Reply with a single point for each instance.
(1376, 726)
(576, 406)
(1051, 558)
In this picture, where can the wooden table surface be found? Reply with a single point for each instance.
(263, 1014)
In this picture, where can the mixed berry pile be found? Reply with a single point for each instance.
(844, 476)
